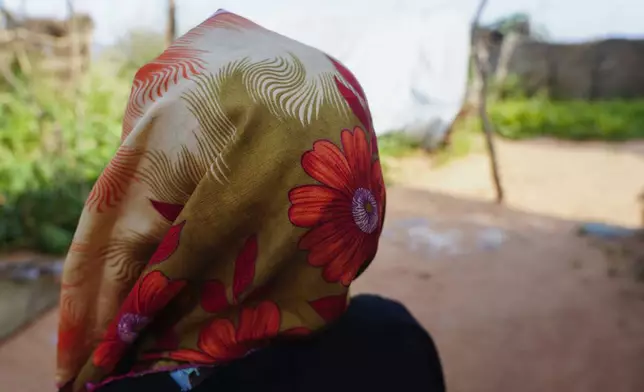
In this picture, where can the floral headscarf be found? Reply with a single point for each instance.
(246, 196)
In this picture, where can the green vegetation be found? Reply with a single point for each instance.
(397, 145)
(464, 133)
(54, 145)
(50, 156)
(523, 118)
(463, 141)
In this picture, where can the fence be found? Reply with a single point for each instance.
(58, 49)
(607, 69)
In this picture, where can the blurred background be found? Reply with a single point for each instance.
(512, 137)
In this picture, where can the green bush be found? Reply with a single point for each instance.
(572, 120)
(53, 146)
(396, 144)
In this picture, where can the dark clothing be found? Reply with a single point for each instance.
(376, 346)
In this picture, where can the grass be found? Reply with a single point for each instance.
(569, 120)
(396, 145)
(463, 141)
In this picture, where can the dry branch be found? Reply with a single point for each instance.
(482, 66)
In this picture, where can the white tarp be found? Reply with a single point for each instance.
(412, 63)
(411, 56)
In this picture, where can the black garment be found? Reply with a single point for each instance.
(376, 346)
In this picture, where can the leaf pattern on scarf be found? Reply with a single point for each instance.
(179, 61)
(112, 184)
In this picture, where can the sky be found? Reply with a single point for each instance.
(565, 20)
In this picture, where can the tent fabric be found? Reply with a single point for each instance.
(412, 63)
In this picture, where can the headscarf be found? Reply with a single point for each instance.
(245, 197)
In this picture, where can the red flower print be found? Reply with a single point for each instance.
(330, 308)
(344, 212)
(168, 245)
(167, 210)
(348, 76)
(150, 294)
(213, 295)
(221, 341)
(356, 99)
(245, 267)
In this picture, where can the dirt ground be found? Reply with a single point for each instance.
(589, 181)
(514, 299)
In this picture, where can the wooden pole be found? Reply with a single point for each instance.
(482, 66)
(171, 26)
(74, 48)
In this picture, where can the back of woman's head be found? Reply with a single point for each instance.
(245, 198)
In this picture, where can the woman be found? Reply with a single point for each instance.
(216, 250)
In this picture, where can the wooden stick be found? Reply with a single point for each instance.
(482, 67)
(171, 27)
(75, 63)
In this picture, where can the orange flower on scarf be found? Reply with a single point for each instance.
(150, 293)
(221, 341)
(345, 211)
